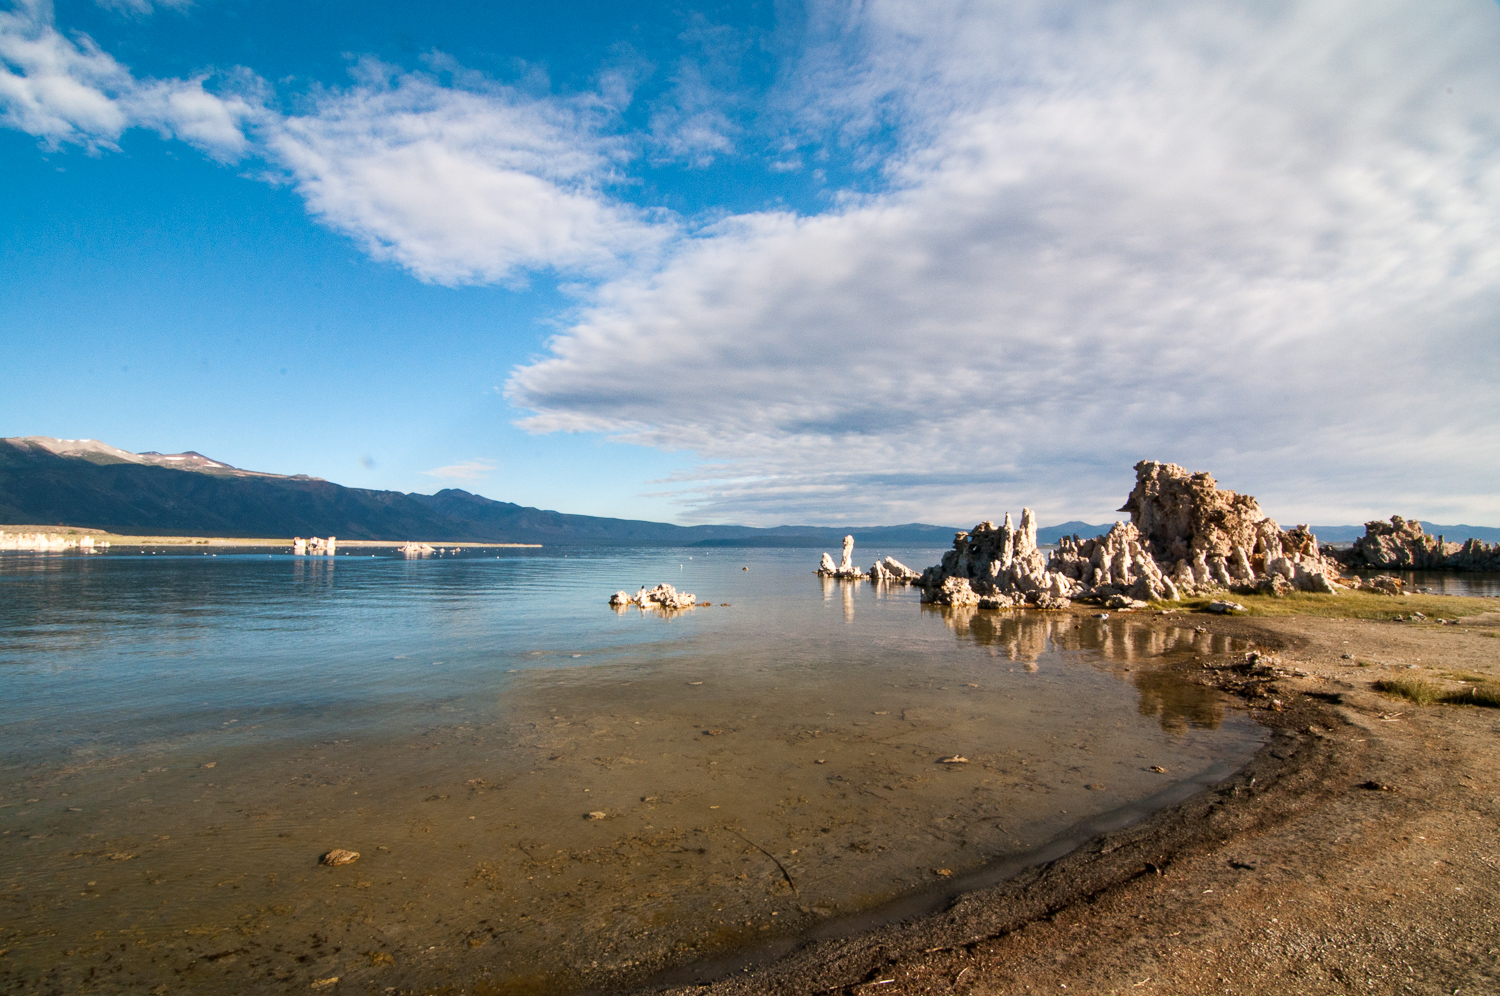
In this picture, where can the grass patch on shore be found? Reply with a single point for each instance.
(1426, 693)
(1412, 689)
(1351, 605)
(1485, 696)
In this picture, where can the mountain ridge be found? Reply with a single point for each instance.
(45, 481)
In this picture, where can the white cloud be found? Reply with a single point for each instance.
(67, 91)
(1262, 242)
(478, 469)
(462, 184)
(143, 8)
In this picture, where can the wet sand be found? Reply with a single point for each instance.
(1358, 852)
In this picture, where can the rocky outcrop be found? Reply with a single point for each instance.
(49, 542)
(845, 571)
(892, 571)
(996, 567)
(315, 546)
(1186, 536)
(888, 571)
(1402, 544)
(663, 596)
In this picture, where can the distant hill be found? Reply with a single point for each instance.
(52, 482)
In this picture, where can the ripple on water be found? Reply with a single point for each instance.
(750, 775)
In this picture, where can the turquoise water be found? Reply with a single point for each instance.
(547, 795)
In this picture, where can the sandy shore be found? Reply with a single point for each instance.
(1359, 852)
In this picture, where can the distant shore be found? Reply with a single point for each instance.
(119, 539)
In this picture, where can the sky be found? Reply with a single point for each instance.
(862, 262)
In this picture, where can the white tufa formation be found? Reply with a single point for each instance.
(663, 596)
(48, 542)
(887, 571)
(1186, 537)
(996, 567)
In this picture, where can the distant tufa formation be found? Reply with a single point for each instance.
(49, 542)
(1185, 537)
(888, 571)
(1403, 544)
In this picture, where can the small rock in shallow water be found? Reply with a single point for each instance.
(955, 759)
(597, 814)
(339, 856)
(1158, 769)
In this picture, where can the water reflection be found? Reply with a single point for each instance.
(1121, 643)
(539, 787)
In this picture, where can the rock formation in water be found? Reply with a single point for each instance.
(888, 571)
(892, 571)
(663, 596)
(315, 546)
(1185, 537)
(1403, 544)
(996, 567)
(49, 542)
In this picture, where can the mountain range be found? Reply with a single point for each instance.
(63, 482)
(83, 482)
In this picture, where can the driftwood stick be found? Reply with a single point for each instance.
(784, 873)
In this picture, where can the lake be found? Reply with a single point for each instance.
(547, 795)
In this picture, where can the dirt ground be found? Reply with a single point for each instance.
(1359, 852)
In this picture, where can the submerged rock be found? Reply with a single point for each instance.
(339, 856)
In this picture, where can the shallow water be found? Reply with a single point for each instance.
(1469, 584)
(184, 736)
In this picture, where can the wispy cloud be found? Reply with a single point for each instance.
(478, 469)
(67, 91)
(1262, 240)
(459, 182)
(462, 184)
(1252, 241)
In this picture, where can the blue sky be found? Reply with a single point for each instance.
(827, 262)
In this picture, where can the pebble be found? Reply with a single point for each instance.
(339, 856)
(955, 759)
(597, 814)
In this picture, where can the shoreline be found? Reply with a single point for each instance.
(1232, 887)
(123, 539)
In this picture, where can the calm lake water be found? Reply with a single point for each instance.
(184, 735)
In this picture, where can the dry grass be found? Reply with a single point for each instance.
(1412, 689)
(1486, 695)
(1351, 605)
(1424, 693)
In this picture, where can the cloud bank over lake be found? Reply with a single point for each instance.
(1264, 242)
